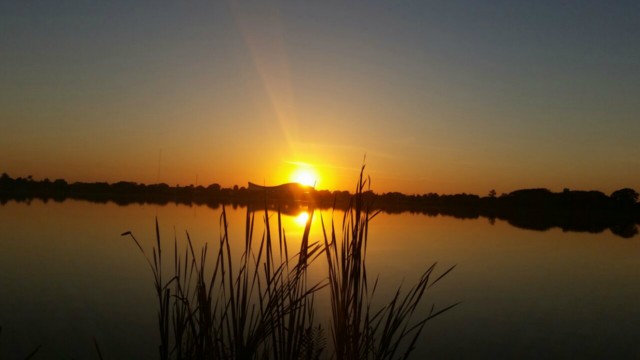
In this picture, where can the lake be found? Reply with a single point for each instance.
(68, 277)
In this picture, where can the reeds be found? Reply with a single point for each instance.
(263, 308)
(357, 331)
(262, 305)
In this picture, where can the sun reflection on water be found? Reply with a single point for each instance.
(302, 218)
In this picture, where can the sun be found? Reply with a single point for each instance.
(305, 175)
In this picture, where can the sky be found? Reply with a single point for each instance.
(441, 96)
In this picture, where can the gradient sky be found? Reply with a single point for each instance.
(441, 96)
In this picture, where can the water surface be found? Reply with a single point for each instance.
(67, 277)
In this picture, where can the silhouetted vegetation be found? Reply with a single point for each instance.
(262, 306)
(535, 209)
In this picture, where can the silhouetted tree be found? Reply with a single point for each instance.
(214, 187)
(5, 179)
(60, 183)
(625, 197)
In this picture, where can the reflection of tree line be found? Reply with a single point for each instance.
(537, 209)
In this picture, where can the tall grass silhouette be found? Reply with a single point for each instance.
(357, 331)
(262, 306)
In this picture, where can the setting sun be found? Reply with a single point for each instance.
(305, 175)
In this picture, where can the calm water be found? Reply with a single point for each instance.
(67, 277)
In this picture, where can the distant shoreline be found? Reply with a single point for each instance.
(535, 209)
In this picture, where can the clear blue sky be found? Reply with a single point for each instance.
(442, 96)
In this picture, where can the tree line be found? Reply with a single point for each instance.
(537, 209)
